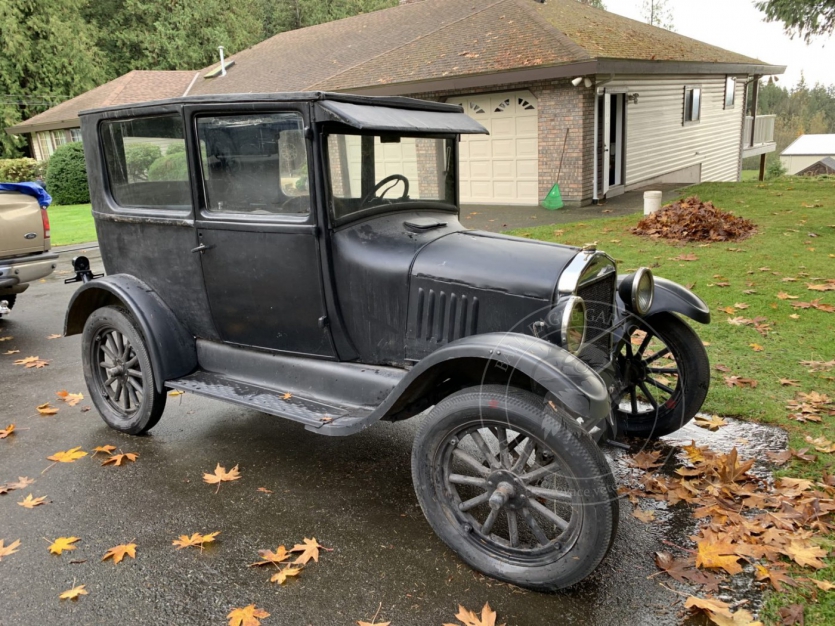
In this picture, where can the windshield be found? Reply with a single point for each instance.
(373, 172)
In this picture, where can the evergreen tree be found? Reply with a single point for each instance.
(49, 55)
(804, 18)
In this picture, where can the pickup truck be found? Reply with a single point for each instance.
(24, 240)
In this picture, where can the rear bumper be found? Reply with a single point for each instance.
(25, 269)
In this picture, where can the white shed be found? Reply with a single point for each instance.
(807, 150)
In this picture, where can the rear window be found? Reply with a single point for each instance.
(146, 162)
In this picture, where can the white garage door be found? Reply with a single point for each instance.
(502, 167)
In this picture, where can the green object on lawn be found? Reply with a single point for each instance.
(553, 200)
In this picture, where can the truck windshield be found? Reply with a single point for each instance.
(369, 173)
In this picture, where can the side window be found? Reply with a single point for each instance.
(254, 163)
(730, 91)
(146, 162)
(692, 104)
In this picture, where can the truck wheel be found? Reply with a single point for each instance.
(664, 376)
(118, 371)
(517, 491)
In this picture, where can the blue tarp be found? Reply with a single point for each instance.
(30, 189)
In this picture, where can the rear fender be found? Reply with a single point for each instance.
(171, 348)
(572, 383)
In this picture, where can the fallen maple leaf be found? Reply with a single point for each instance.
(756, 347)
(805, 554)
(63, 543)
(788, 382)
(709, 605)
(714, 553)
(46, 409)
(823, 585)
(791, 615)
(70, 398)
(272, 558)
(196, 540)
(119, 552)
(247, 616)
(103, 449)
(6, 550)
(220, 475)
(822, 444)
(740, 618)
(7, 431)
(32, 361)
(738, 381)
(714, 423)
(469, 618)
(685, 257)
(176, 392)
(281, 576)
(644, 516)
(776, 576)
(22, 483)
(287, 396)
(309, 549)
(7, 352)
(74, 593)
(30, 502)
(263, 490)
(119, 459)
(70, 456)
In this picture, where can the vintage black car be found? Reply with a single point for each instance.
(301, 254)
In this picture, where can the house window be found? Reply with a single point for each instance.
(59, 137)
(730, 92)
(46, 145)
(75, 134)
(692, 104)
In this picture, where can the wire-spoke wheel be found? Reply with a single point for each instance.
(518, 492)
(663, 377)
(118, 371)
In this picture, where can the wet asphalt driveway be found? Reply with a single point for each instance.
(354, 495)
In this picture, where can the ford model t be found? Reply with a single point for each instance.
(301, 254)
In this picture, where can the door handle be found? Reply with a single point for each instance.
(202, 248)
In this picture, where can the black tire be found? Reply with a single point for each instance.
(579, 486)
(117, 365)
(650, 408)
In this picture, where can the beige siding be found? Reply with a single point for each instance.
(657, 140)
(796, 163)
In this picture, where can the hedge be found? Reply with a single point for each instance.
(21, 170)
(66, 175)
(170, 167)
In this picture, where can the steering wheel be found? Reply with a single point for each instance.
(394, 177)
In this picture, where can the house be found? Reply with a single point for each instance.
(806, 151)
(572, 95)
(824, 167)
(60, 124)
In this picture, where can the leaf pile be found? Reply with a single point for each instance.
(694, 220)
(742, 519)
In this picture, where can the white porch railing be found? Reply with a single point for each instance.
(763, 130)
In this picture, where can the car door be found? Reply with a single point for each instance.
(256, 229)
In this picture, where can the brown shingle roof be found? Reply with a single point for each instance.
(135, 86)
(437, 39)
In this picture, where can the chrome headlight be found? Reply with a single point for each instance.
(568, 318)
(638, 291)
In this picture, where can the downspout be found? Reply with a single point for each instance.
(595, 199)
(222, 62)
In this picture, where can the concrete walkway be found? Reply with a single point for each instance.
(498, 218)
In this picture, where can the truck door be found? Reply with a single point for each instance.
(256, 229)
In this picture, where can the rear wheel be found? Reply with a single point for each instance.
(520, 493)
(118, 371)
(664, 376)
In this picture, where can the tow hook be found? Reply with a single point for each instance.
(4, 307)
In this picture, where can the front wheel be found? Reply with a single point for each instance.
(664, 376)
(519, 492)
(118, 371)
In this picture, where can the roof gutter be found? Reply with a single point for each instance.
(566, 70)
(24, 128)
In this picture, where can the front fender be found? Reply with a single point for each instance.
(675, 298)
(573, 384)
(171, 348)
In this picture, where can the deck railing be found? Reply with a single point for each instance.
(763, 130)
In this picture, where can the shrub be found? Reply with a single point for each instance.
(66, 175)
(170, 167)
(175, 148)
(775, 169)
(138, 158)
(21, 170)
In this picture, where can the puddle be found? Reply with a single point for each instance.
(673, 525)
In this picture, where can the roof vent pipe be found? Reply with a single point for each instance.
(222, 62)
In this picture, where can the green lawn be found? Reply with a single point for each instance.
(794, 247)
(749, 175)
(71, 224)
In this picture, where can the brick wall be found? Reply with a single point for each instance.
(561, 107)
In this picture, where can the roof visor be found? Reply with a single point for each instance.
(365, 117)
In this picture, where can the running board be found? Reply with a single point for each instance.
(314, 414)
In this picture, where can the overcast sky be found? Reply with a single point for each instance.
(737, 25)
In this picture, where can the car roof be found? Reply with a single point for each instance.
(297, 96)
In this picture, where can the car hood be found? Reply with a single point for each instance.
(494, 262)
